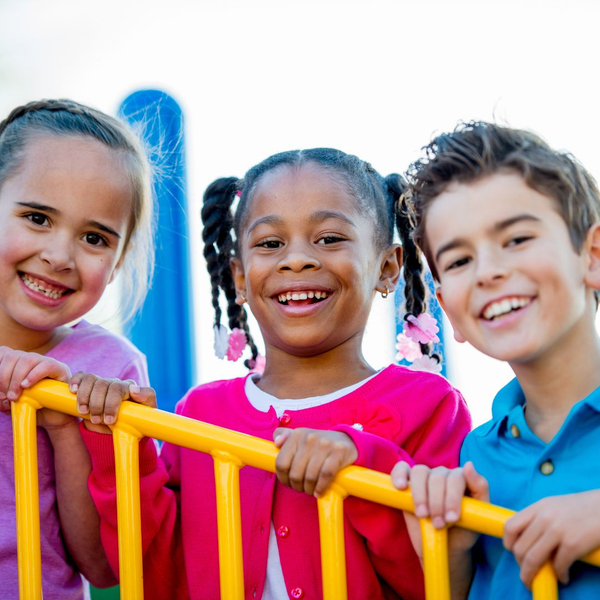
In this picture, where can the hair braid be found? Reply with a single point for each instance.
(37, 105)
(415, 290)
(216, 217)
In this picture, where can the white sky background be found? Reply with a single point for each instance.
(374, 78)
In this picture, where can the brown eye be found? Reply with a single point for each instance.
(94, 239)
(37, 218)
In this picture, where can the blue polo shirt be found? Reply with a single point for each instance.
(522, 469)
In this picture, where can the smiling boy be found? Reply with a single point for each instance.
(510, 228)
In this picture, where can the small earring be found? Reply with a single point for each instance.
(386, 293)
(241, 299)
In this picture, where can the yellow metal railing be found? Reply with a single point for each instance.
(230, 450)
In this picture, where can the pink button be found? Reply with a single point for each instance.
(285, 419)
(297, 593)
(283, 531)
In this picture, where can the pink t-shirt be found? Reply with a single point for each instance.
(88, 348)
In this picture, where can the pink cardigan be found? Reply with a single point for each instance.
(404, 414)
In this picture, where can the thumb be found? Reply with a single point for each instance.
(476, 484)
(143, 395)
(280, 435)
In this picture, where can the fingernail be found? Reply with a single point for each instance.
(451, 516)
(25, 383)
(439, 523)
(73, 387)
(421, 511)
(95, 419)
(134, 389)
(277, 438)
(83, 409)
(11, 396)
(109, 419)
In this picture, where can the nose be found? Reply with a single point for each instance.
(298, 258)
(58, 253)
(491, 269)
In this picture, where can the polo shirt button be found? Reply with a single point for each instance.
(297, 593)
(285, 419)
(547, 468)
(254, 592)
(284, 531)
(358, 427)
(515, 431)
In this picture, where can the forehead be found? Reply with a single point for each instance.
(474, 208)
(298, 190)
(73, 174)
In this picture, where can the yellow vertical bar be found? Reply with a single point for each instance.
(229, 523)
(333, 553)
(27, 500)
(127, 466)
(544, 585)
(435, 561)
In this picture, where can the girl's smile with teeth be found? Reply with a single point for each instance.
(296, 296)
(500, 308)
(43, 287)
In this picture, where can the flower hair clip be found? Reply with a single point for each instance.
(421, 329)
(230, 345)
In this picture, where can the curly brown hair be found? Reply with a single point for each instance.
(478, 149)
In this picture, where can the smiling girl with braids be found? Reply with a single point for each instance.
(309, 245)
(75, 207)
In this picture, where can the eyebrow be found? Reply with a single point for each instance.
(497, 228)
(54, 211)
(317, 217)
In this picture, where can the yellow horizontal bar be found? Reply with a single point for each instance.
(356, 481)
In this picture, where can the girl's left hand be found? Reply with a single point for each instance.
(309, 459)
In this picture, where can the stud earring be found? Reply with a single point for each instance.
(386, 293)
(241, 299)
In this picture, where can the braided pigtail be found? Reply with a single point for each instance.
(415, 289)
(218, 250)
(216, 218)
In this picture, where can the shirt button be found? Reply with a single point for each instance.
(515, 431)
(297, 593)
(262, 529)
(547, 468)
(358, 427)
(284, 531)
(254, 592)
(285, 419)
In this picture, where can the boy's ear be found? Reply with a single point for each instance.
(592, 248)
(458, 336)
(239, 280)
(389, 273)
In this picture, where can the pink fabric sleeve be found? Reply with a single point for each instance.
(438, 442)
(164, 571)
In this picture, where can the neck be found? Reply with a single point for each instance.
(17, 337)
(289, 376)
(554, 384)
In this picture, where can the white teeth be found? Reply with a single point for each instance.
(504, 306)
(287, 296)
(38, 288)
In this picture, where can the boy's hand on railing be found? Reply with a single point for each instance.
(438, 493)
(101, 398)
(309, 459)
(19, 371)
(561, 529)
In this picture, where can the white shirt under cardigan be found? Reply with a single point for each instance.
(275, 587)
